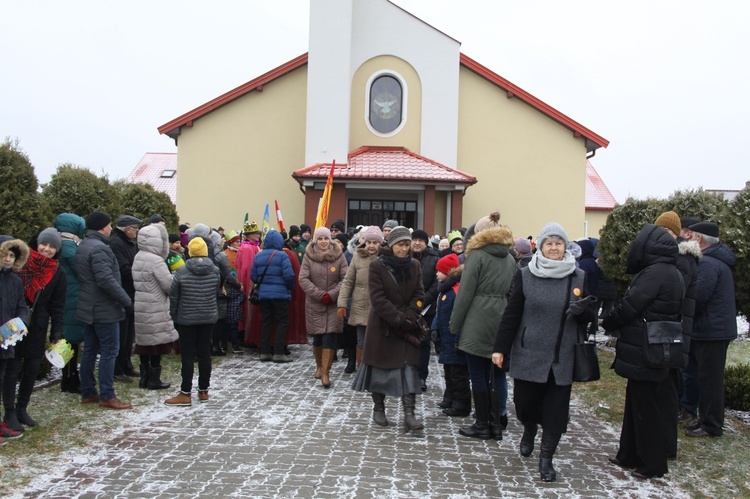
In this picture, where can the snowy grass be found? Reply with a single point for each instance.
(66, 426)
(715, 467)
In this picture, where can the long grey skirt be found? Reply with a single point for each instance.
(391, 382)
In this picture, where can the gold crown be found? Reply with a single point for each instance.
(250, 227)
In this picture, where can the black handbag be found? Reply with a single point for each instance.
(586, 363)
(663, 345)
(423, 329)
(255, 293)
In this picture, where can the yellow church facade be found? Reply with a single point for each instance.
(418, 131)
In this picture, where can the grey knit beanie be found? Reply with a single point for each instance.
(390, 223)
(399, 233)
(552, 229)
(50, 236)
(202, 230)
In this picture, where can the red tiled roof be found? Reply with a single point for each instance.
(593, 141)
(598, 196)
(150, 169)
(387, 163)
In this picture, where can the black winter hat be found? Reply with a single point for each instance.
(294, 231)
(420, 234)
(97, 220)
(687, 222)
(305, 228)
(706, 228)
(155, 219)
(338, 224)
(173, 238)
(342, 237)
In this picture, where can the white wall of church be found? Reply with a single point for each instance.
(345, 34)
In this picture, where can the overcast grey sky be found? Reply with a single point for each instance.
(88, 82)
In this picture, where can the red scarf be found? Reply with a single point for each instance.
(36, 274)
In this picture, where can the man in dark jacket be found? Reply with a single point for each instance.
(587, 262)
(714, 327)
(101, 307)
(122, 242)
(427, 258)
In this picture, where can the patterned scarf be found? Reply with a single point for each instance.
(36, 274)
(545, 268)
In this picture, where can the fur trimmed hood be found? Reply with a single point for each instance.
(691, 248)
(23, 249)
(498, 235)
(455, 273)
(316, 255)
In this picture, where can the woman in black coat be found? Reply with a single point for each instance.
(44, 286)
(655, 294)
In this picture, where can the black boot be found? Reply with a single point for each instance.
(481, 427)
(11, 419)
(351, 362)
(143, 382)
(546, 451)
(527, 440)
(154, 379)
(23, 416)
(378, 409)
(411, 422)
(498, 422)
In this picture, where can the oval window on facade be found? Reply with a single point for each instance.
(386, 97)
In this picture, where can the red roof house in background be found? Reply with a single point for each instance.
(598, 197)
(158, 169)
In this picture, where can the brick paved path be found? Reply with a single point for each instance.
(271, 430)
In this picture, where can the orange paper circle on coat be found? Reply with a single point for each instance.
(333, 269)
(419, 304)
(577, 292)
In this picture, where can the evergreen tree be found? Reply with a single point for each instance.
(142, 201)
(704, 206)
(24, 212)
(735, 232)
(621, 229)
(74, 189)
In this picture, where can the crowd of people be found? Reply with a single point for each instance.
(491, 305)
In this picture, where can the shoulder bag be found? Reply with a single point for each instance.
(255, 293)
(662, 343)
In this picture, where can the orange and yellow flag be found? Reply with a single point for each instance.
(325, 200)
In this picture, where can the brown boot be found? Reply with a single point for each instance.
(318, 353)
(181, 399)
(359, 357)
(327, 363)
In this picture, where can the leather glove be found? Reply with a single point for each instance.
(577, 307)
(341, 312)
(326, 300)
(412, 339)
(409, 325)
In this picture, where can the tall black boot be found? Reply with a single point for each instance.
(378, 409)
(143, 382)
(154, 379)
(546, 451)
(527, 440)
(481, 427)
(498, 422)
(351, 361)
(412, 423)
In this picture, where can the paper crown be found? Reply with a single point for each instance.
(250, 227)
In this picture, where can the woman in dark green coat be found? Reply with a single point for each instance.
(72, 228)
(478, 309)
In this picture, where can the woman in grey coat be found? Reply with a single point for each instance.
(154, 329)
(538, 331)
